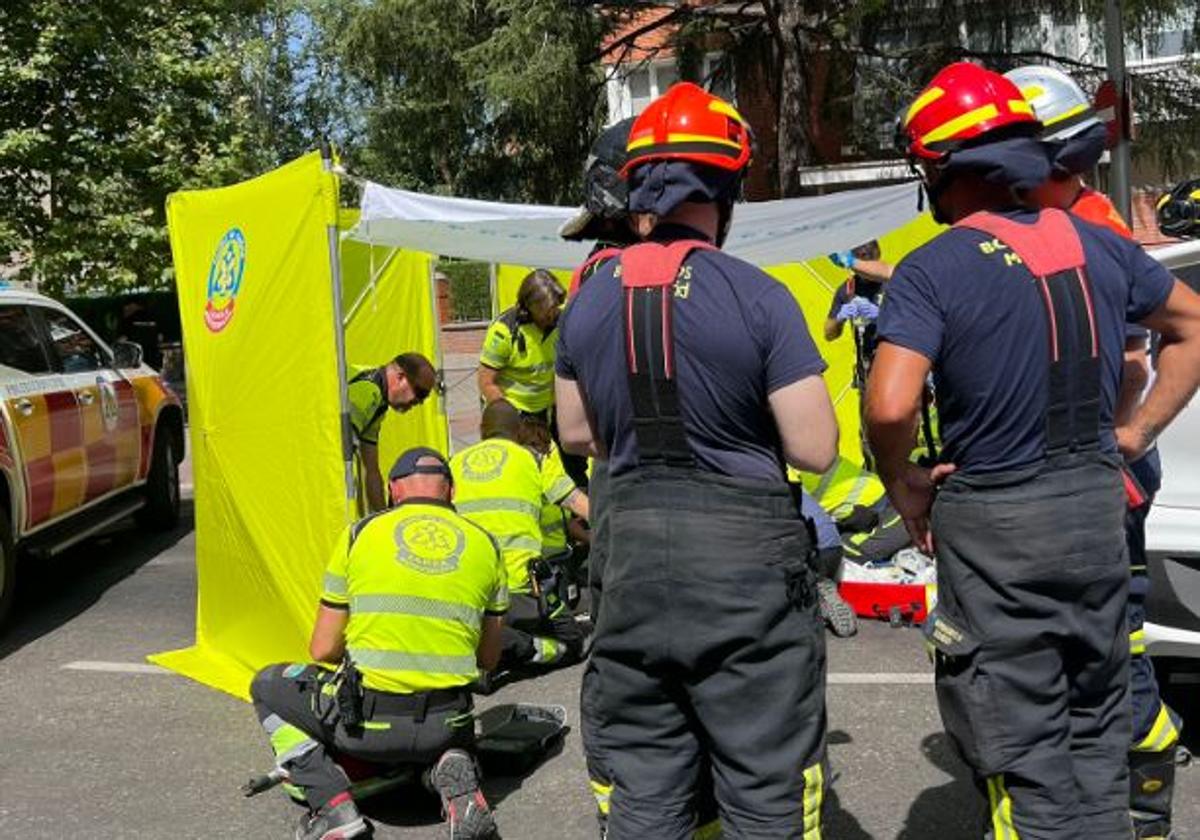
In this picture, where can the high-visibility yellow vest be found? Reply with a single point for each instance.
(367, 394)
(500, 486)
(523, 356)
(417, 579)
(843, 486)
(553, 518)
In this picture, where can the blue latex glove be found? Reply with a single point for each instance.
(843, 258)
(859, 309)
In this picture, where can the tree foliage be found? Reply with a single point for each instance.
(491, 98)
(107, 107)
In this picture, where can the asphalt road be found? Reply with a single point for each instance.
(140, 754)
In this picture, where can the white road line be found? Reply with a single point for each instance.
(836, 678)
(883, 678)
(116, 667)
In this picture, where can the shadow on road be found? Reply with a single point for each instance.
(52, 592)
(949, 810)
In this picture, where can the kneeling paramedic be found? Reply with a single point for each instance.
(709, 596)
(1075, 137)
(1021, 316)
(501, 487)
(411, 609)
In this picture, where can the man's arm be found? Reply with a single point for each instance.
(487, 654)
(489, 388)
(807, 424)
(893, 412)
(876, 270)
(577, 503)
(328, 642)
(1178, 371)
(1135, 374)
(372, 478)
(574, 429)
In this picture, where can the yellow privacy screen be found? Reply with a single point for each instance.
(255, 296)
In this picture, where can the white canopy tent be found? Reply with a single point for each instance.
(764, 233)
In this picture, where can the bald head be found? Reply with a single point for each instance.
(500, 419)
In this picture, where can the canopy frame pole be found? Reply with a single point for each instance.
(339, 338)
(493, 291)
(443, 409)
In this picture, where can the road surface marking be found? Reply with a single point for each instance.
(920, 678)
(116, 667)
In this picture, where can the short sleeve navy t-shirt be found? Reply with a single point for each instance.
(739, 336)
(978, 318)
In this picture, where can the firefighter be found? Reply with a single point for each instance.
(1076, 139)
(1021, 315)
(501, 487)
(697, 370)
(404, 382)
(411, 607)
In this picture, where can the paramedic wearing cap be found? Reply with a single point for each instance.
(697, 371)
(1075, 139)
(414, 597)
(1021, 316)
(517, 359)
(402, 383)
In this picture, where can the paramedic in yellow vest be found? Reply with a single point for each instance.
(501, 487)
(855, 498)
(413, 599)
(517, 360)
(402, 383)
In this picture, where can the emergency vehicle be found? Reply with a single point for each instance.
(1173, 527)
(89, 434)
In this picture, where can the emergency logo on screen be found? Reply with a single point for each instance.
(224, 279)
(484, 463)
(429, 545)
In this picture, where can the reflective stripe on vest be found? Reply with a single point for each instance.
(1052, 251)
(416, 606)
(497, 505)
(429, 663)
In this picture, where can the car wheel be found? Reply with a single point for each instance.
(162, 485)
(8, 567)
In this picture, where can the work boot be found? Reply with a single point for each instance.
(1151, 784)
(456, 781)
(338, 819)
(835, 612)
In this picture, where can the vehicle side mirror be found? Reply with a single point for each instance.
(127, 354)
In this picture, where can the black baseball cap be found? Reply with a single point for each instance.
(407, 465)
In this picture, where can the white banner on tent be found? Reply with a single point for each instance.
(764, 233)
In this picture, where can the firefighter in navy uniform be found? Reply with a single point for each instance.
(1076, 138)
(604, 218)
(412, 607)
(404, 382)
(1021, 316)
(709, 594)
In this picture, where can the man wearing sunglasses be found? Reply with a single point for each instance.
(402, 383)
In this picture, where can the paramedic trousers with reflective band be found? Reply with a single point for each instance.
(296, 706)
(531, 635)
(708, 648)
(1032, 663)
(1156, 727)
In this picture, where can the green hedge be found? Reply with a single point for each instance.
(470, 289)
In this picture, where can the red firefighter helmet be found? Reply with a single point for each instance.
(688, 123)
(964, 101)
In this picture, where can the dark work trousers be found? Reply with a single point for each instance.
(296, 706)
(708, 652)
(1032, 664)
(530, 633)
(1156, 727)
(598, 774)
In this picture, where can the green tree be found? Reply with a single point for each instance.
(488, 98)
(106, 107)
